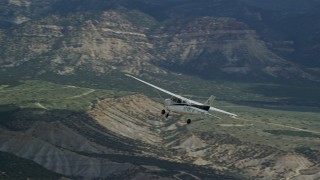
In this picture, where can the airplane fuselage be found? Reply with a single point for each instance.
(185, 109)
(180, 107)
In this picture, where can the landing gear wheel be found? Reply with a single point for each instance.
(163, 111)
(167, 115)
(188, 121)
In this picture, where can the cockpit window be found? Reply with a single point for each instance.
(177, 100)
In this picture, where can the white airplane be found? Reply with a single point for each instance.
(182, 105)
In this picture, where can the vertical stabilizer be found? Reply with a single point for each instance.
(209, 102)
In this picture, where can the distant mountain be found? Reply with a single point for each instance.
(292, 6)
(288, 27)
(213, 39)
(291, 29)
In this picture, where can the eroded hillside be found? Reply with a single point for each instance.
(218, 151)
(127, 137)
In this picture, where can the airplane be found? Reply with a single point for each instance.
(181, 105)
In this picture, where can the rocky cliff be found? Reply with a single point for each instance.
(214, 47)
(115, 38)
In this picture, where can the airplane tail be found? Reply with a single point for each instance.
(209, 102)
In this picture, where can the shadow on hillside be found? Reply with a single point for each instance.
(15, 118)
(20, 119)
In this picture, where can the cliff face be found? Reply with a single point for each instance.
(100, 44)
(221, 47)
(288, 27)
(113, 38)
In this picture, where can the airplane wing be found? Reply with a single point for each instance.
(222, 111)
(181, 97)
(165, 91)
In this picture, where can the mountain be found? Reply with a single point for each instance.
(203, 38)
(287, 27)
(215, 47)
(290, 29)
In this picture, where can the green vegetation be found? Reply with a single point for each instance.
(26, 102)
(46, 95)
(283, 129)
(292, 133)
